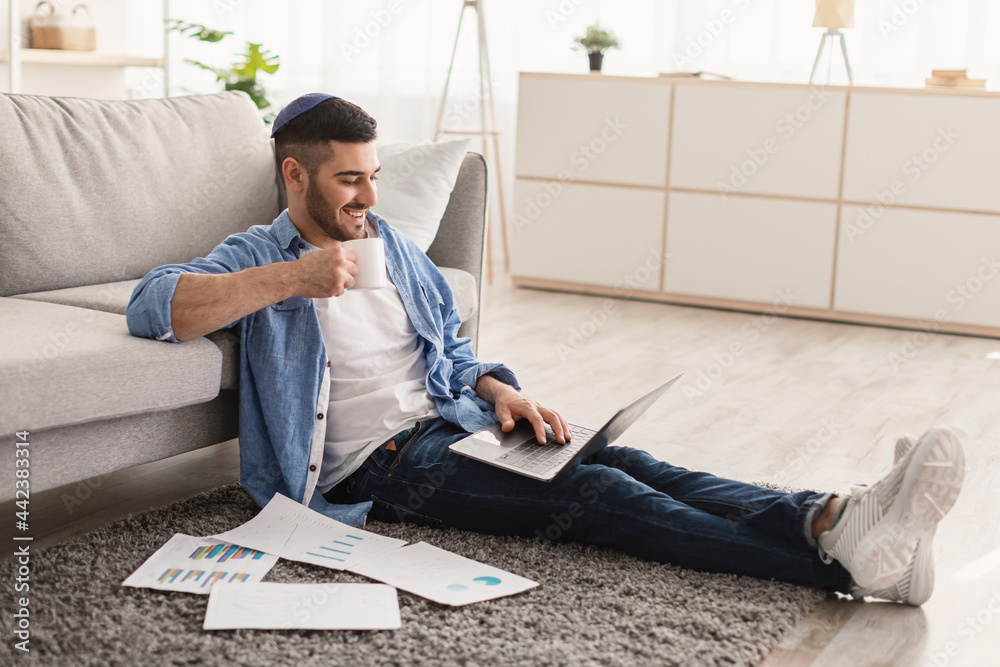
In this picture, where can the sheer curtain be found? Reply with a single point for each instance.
(391, 56)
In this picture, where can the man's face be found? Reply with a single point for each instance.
(342, 190)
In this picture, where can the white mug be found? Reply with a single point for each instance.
(370, 261)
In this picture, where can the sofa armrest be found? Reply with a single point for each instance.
(460, 239)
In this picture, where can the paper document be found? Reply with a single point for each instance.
(194, 564)
(439, 575)
(292, 531)
(274, 606)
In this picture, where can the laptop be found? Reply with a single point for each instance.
(519, 450)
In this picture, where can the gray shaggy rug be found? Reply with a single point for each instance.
(595, 606)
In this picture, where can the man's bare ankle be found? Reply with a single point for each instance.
(824, 520)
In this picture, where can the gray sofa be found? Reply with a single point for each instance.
(94, 194)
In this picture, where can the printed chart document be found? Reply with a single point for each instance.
(292, 531)
(441, 576)
(274, 606)
(195, 564)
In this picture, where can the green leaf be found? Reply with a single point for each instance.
(208, 35)
(251, 88)
(597, 40)
(254, 59)
(220, 74)
(196, 31)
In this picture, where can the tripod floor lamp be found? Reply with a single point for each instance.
(488, 126)
(834, 15)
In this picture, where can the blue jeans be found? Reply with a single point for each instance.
(622, 497)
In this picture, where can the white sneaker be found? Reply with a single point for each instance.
(914, 587)
(877, 535)
(917, 583)
(903, 445)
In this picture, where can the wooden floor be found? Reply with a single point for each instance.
(803, 403)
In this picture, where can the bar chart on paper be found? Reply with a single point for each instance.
(203, 578)
(338, 550)
(293, 531)
(223, 552)
(194, 564)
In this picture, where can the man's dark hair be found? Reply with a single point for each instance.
(306, 136)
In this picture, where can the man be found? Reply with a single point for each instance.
(349, 400)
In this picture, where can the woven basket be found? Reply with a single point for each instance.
(74, 31)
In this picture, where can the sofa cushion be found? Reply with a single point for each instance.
(63, 365)
(107, 298)
(101, 191)
(415, 185)
(114, 297)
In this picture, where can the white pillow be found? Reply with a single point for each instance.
(415, 185)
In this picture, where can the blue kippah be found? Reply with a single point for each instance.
(297, 107)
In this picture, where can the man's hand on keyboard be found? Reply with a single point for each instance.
(513, 405)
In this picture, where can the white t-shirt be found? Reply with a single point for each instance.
(378, 376)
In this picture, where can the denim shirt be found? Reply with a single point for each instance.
(284, 373)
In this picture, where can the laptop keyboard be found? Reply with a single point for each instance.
(539, 458)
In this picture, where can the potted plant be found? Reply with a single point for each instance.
(596, 41)
(241, 75)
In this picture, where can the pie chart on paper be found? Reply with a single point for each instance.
(488, 581)
(485, 581)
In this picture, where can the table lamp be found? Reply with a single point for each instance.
(834, 15)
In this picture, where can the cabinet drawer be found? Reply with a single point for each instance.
(597, 235)
(750, 249)
(924, 150)
(609, 131)
(760, 140)
(924, 265)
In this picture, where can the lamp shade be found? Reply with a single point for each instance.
(834, 14)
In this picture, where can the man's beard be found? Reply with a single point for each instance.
(326, 217)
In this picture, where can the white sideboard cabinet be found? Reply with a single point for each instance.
(863, 205)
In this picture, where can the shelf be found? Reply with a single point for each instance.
(79, 58)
